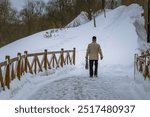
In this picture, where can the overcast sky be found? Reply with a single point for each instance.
(18, 4)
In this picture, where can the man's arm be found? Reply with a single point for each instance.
(100, 52)
(87, 52)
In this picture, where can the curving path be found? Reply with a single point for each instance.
(114, 85)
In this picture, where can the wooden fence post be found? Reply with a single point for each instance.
(67, 58)
(62, 57)
(12, 72)
(135, 59)
(25, 61)
(7, 74)
(19, 66)
(45, 59)
(1, 79)
(74, 53)
(35, 64)
(22, 67)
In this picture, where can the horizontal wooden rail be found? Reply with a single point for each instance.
(142, 63)
(33, 63)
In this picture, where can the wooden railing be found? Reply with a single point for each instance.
(33, 63)
(142, 64)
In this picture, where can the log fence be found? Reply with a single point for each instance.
(142, 64)
(33, 63)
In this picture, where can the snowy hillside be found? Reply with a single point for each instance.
(118, 38)
(79, 20)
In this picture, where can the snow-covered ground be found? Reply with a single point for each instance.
(119, 40)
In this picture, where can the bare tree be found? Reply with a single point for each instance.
(60, 11)
(6, 17)
(37, 16)
(87, 5)
(31, 14)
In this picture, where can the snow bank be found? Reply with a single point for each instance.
(118, 34)
(29, 83)
(82, 18)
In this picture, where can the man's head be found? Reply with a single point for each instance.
(94, 38)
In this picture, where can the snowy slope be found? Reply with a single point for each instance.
(116, 34)
(119, 42)
(79, 20)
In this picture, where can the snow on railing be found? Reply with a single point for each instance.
(33, 63)
(142, 64)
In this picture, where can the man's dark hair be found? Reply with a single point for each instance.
(94, 37)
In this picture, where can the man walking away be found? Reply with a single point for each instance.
(93, 52)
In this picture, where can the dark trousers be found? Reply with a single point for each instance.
(95, 62)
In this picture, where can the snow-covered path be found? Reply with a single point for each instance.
(80, 86)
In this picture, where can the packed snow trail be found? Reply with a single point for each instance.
(81, 87)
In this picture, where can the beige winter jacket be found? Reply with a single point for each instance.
(93, 51)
